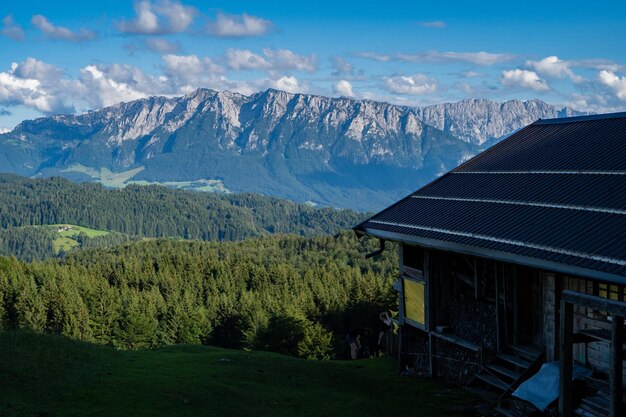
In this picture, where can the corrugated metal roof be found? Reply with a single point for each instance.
(552, 195)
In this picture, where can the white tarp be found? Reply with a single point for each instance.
(543, 388)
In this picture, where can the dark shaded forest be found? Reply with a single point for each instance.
(294, 295)
(147, 211)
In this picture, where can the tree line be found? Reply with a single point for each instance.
(295, 295)
(147, 211)
(156, 211)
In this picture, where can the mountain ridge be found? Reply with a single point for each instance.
(340, 152)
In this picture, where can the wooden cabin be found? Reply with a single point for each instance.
(515, 259)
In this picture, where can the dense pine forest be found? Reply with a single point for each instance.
(154, 268)
(294, 295)
(147, 211)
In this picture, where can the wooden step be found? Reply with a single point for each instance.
(493, 381)
(587, 411)
(489, 396)
(517, 361)
(582, 413)
(514, 375)
(597, 402)
(506, 412)
(528, 351)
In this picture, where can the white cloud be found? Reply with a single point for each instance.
(289, 84)
(552, 66)
(244, 59)
(272, 60)
(615, 83)
(284, 59)
(35, 84)
(524, 79)
(597, 64)
(11, 30)
(343, 88)
(189, 67)
(4, 130)
(434, 24)
(43, 87)
(37, 70)
(374, 56)
(478, 58)
(411, 84)
(438, 57)
(106, 85)
(341, 66)
(59, 32)
(161, 17)
(162, 46)
(238, 26)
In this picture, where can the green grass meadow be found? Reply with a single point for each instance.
(43, 375)
(65, 242)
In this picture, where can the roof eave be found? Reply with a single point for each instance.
(495, 254)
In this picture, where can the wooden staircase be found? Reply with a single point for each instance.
(597, 403)
(504, 373)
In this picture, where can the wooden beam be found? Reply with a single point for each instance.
(616, 367)
(476, 293)
(505, 307)
(431, 359)
(515, 307)
(614, 308)
(566, 363)
(497, 309)
(428, 292)
(401, 306)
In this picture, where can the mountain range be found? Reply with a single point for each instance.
(340, 152)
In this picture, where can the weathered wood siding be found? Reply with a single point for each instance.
(549, 315)
(595, 354)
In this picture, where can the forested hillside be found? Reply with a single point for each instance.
(288, 294)
(147, 211)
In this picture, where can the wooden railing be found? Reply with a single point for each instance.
(618, 310)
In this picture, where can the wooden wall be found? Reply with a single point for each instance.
(550, 316)
(595, 354)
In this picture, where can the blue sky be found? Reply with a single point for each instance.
(71, 56)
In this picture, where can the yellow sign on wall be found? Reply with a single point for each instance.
(414, 301)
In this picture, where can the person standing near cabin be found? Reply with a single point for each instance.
(359, 349)
(354, 341)
(385, 327)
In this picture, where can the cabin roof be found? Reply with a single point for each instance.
(552, 196)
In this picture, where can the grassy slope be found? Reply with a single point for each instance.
(65, 241)
(46, 375)
(76, 230)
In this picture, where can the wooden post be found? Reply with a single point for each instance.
(616, 371)
(515, 308)
(431, 359)
(505, 306)
(400, 305)
(428, 293)
(400, 347)
(497, 310)
(475, 279)
(566, 355)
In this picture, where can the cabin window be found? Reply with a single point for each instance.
(612, 292)
(413, 259)
(414, 301)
